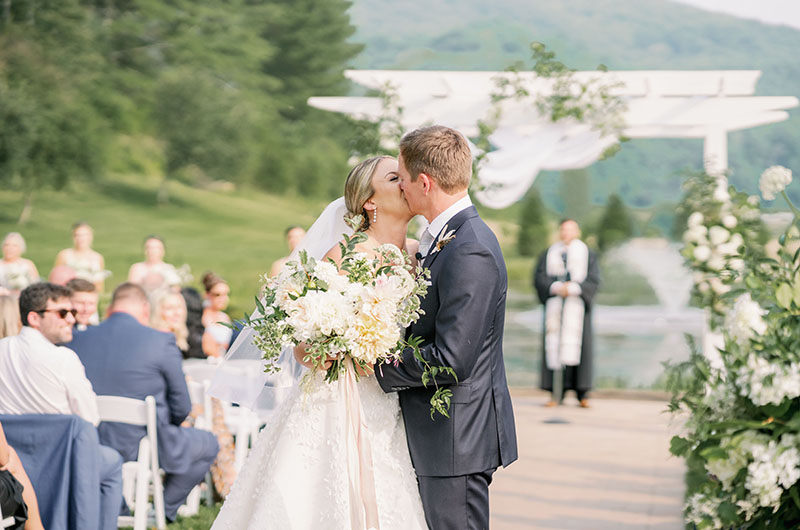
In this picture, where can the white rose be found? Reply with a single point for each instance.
(696, 219)
(716, 262)
(746, 319)
(737, 239)
(701, 253)
(696, 234)
(730, 221)
(718, 235)
(718, 286)
(773, 181)
(736, 265)
(721, 193)
(728, 249)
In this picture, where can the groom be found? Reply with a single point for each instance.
(462, 328)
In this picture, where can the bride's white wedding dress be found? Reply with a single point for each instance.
(296, 476)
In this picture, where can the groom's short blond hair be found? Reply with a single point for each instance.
(441, 153)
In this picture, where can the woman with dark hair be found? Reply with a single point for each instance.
(194, 323)
(217, 336)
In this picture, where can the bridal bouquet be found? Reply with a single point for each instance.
(351, 315)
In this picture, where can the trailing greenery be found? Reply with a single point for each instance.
(740, 402)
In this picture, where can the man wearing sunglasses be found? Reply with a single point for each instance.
(39, 377)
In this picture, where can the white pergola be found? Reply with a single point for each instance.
(660, 104)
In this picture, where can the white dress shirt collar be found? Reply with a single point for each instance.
(443, 218)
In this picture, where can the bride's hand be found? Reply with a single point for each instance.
(364, 371)
(300, 354)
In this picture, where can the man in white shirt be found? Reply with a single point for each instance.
(39, 377)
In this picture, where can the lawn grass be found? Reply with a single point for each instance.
(236, 234)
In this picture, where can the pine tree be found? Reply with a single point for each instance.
(533, 229)
(310, 38)
(615, 225)
(575, 191)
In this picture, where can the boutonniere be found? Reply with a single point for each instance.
(445, 239)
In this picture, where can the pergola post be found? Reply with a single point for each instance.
(715, 151)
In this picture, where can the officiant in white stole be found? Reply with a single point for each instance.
(566, 280)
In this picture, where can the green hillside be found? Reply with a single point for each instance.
(236, 234)
(622, 34)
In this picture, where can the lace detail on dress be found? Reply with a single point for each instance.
(296, 474)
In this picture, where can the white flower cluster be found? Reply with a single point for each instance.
(361, 314)
(714, 246)
(773, 181)
(775, 467)
(766, 382)
(745, 320)
(701, 508)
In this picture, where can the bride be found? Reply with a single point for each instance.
(297, 474)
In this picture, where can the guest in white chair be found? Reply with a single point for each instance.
(39, 377)
(124, 356)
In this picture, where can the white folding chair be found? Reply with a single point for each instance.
(139, 476)
(243, 424)
(199, 396)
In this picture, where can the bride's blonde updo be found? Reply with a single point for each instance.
(358, 189)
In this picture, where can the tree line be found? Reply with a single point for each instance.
(219, 86)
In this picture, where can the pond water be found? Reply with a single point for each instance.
(631, 343)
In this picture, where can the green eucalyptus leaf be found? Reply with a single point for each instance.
(679, 446)
(784, 295)
(728, 513)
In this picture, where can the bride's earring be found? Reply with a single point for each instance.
(375, 215)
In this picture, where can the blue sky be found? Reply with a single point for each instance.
(779, 12)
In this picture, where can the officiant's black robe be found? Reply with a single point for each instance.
(579, 377)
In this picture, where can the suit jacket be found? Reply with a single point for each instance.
(124, 358)
(462, 328)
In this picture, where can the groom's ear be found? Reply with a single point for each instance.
(426, 181)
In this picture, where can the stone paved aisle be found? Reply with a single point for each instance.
(608, 469)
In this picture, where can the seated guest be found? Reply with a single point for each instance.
(10, 323)
(294, 235)
(61, 275)
(123, 356)
(17, 498)
(87, 263)
(153, 273)
(217, 336)
(38, 377)
(84, 301)
(170, 316)
(16, 272)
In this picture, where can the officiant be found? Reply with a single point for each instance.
(566, 279)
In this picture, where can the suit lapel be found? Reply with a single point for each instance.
(451, 226)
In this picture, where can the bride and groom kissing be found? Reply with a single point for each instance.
(421, 471)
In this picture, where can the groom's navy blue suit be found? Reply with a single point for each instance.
(462, 328)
